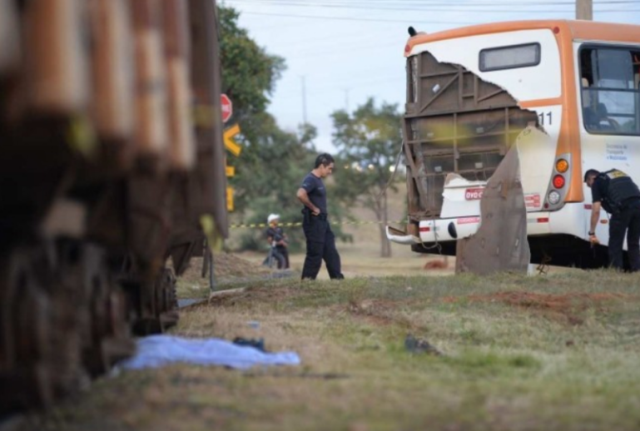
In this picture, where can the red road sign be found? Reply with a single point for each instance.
(226, 107)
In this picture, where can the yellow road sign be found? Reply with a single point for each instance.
(229, 143)
(229, 198)
(235, 149)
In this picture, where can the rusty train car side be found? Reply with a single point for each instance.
(105, 178)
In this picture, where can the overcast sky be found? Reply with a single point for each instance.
(344, 51)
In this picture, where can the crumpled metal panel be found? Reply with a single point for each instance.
(501, 241)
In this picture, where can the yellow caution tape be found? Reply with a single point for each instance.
(264, 225)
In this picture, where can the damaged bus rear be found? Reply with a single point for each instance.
(563, 94)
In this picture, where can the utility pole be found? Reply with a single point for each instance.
(304, 102)
(584, 9)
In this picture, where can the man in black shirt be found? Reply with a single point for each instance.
(321, 243)
(615, 192)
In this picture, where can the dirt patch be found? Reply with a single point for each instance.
(226, 266)
(567, 306)
(436, 264)
(244, 296)
(378, 312)
(257, 295)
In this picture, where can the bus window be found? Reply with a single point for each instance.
(609, 90)
(509, 57)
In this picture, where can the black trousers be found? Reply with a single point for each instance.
(321, 245)
(284, 252)
(626, 222)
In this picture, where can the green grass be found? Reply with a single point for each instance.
(558, 352)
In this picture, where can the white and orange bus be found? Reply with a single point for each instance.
(565, 93)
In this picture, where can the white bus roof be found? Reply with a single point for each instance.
(584, 30)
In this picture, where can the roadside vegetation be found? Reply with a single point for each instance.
(505, 352)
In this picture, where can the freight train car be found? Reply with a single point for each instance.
(105, 180)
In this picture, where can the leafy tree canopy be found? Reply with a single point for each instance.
(249, 74)
(369, 141)
(271, 169)
(273, 161)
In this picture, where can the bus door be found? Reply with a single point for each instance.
(610, 114)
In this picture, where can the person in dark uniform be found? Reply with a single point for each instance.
(278, 240)
(321, 243)
(619, 196)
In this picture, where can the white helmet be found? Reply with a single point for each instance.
(272, 217)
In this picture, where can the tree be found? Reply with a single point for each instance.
(271, 170)
(368, 140)
(273, 161)
(249, 74)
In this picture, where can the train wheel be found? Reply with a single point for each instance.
(68, 305)
(26, 355)
(158, 304)
(119, 344)
(109, 337)
(168, 299)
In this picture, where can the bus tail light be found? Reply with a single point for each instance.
(554, 197)
(559, 182)
(562, 166)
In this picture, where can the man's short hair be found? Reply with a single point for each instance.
(324, 159)
(590, 173)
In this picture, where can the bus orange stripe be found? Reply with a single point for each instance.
(569, 139)
(540, 102)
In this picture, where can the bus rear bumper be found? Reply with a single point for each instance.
(455, 228)
(400, 237)
(436, 230)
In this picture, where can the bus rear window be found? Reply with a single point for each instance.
(510, 57)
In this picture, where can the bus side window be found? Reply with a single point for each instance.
(586, 94)
(589, 117)
(609, 80)
(604, 122)
(636, 65)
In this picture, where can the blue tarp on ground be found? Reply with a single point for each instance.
(158, 350)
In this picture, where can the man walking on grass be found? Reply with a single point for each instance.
(321, 243)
